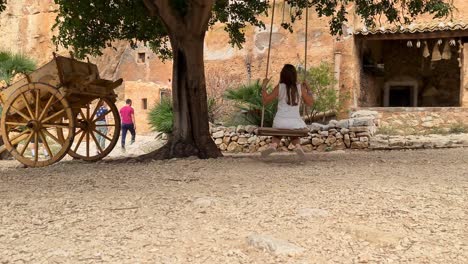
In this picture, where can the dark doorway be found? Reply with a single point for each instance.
(400, 96)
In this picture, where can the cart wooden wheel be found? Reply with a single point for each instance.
(31, 118)
(97, 130)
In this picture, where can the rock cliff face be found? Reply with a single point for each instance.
(25, 26)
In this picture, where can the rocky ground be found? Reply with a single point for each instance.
(337, 207)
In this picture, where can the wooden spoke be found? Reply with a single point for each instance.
(79, 142)
(46, 144)
(28, 107)
(21, 113)
(26, 145)
(51, 136)
(36, 147)
(102, 135)
(95, 131)
(99, 104)
(44, 111)
(97, 143)
(19, 135)
(87, 142)
(15, 123)
(56, 115)
(27, 103)
(38, 100)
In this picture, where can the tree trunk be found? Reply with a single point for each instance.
(191, 134)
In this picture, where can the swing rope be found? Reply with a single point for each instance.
(269, 50)
(268, 56)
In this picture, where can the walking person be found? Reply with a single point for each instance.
(127, 115)
(101, 126)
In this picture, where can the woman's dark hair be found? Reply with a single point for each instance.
(288, 76)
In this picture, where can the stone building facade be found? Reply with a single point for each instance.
(378, 68)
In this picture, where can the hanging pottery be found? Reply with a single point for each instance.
(447, 53)
(436, 56)
(426, 53)
(439, 42)
(409, 44)
(418, 44)
(453, 42)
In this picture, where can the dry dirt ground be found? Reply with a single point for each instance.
(374, 207)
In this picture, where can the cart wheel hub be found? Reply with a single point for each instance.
(34, 125)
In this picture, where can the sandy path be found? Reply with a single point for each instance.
(375, 207)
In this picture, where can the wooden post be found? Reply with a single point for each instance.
(464, 76)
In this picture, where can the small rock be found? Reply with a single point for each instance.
(250, 129)
(315, 127)
(330, 140)
(252, 140)
(305, 141)
(203, 202)
(359, 145)
(347, 140)
(219, 134)
(273, 245)
(344, 131)
(240, 129)
(233, 147)
(218, 141)
(312, 212)
(226, 140)
(242, 141)
(317, 141)
(343, 124)
(324, 133)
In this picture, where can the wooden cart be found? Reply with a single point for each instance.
(63, 107)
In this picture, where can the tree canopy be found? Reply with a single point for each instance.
(89, 26)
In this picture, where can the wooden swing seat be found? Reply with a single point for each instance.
(281, 132)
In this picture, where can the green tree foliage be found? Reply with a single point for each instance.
(248, 99)
(326, 99)
(88, 26)
(12, 64)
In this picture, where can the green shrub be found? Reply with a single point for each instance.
(161, 116)
(248, 99)
(321, 80)
(12, 64)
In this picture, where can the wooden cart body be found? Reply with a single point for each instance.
(76, 85)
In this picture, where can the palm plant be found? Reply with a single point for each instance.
(161, 116)
(12, 64)
(248, 99)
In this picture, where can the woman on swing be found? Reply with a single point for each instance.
(289, 94)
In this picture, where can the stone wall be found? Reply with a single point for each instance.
(351, 133)
(426, 120)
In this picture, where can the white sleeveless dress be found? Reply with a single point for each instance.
(288, 116)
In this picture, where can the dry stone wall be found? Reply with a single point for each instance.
(353, 133)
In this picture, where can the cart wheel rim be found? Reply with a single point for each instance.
(96, 132)
(30, 121)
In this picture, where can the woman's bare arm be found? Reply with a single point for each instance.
(268, 98)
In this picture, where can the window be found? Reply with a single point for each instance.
(165, 94)
(141, 57)
(144, 103)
